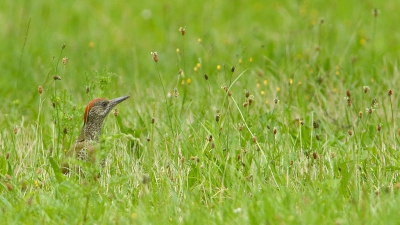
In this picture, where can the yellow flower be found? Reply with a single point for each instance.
(199, 40)
(91, 44)
(240, 61)
(278, 89)
(198, 65)
(177, 50)
(265, 82)
(218, 67)
(362, 41)
(188, 80)
(262, 92)
(251, 59)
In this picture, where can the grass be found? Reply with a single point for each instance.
(261, 113)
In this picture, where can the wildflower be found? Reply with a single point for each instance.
(218, 67)
(199, 40)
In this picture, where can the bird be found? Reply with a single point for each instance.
(93, 117)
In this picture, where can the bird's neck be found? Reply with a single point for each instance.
(90, 131)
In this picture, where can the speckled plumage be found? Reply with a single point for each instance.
(94, 115)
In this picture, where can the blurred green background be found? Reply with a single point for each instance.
(303, 54)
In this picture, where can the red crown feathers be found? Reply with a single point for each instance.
(89, 107)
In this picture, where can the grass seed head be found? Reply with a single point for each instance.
(116, 112)
(376, 12)
(366, 89)
(155, 56)
(176, 93)
(206, 76)
(56, 78)
(40, 89)
(217, 117)
(182, 30)
(9, 186)
(233, 69)
(390, 92)
(64, 60)
(63, 46)
(348, 93)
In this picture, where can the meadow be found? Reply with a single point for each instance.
(240, 112)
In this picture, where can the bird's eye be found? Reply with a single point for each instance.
(104, 104)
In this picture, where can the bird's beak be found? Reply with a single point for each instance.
(116, 101)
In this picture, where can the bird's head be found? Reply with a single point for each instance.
(98, 108)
